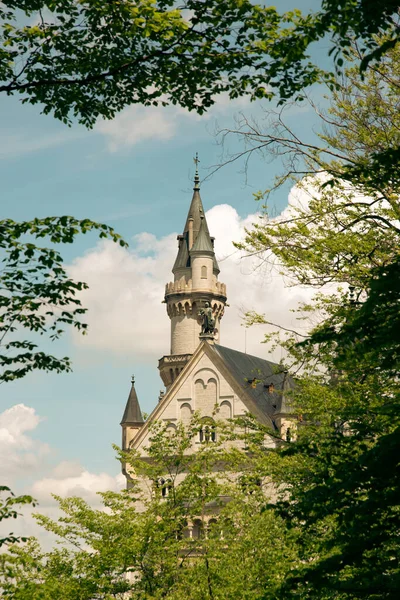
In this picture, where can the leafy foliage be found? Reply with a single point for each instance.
(8, 511)
(36, 293)
(141, 546)
(362, 120)
(90, 59)
(93, 58)
(340, 480)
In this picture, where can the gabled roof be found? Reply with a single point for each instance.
(132, 414)
(249, 375)
(257, 376)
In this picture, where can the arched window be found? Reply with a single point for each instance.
(207, 431)
(225, 410)
(170, 430)
(204, 272)
(288, 435)
(198, 529)
(165, 485)
(214, 529)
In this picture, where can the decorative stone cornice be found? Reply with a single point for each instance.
(189, 306)
(179, 287)
(170, 366)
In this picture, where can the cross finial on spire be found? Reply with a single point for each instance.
(196, 175)
(132, 379)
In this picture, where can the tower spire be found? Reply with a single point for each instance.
(196, 161)
(132, 414)
(195, 284)
(132, 419)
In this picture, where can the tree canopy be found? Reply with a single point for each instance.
(37, 296)
(341, 476)
(172, 534)
(92, 58)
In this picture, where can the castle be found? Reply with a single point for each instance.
(200, 374)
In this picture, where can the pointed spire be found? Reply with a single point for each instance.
(196, 175)
(194, 220)
(132, 413)
(196, 211)
(203, 241)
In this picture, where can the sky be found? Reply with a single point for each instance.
(136, 174)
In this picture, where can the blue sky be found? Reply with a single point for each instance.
(134, 173)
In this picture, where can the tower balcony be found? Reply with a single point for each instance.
(183, 287)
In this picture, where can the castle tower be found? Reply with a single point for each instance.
(132, 419)
(195, 284)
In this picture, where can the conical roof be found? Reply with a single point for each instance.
(132, 413)
(182, 260)
(199, 222)
(203, 241)
(196, 212)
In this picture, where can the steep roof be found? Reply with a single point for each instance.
(199, 223)
(251, 375)
(182, 260)
(203, 241)
(132, 413)
(196, 211)
(257, 376)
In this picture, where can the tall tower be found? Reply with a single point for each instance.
(195, 283)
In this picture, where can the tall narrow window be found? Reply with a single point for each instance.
(165, 485)
(204, 272)
(207, 431)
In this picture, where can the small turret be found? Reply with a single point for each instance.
(132, 419)
(202, 259)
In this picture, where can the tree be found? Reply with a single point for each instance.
(339, 482)
(91, 59)
(318, 237)
(140, 547)
(8, 502)
(36, 294)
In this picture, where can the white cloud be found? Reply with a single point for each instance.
(69, 479)
(22, 456)
(126, 288)
(75, 482)
(19, 453)
(136, 124)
